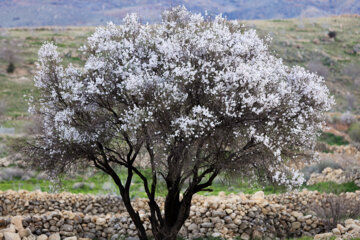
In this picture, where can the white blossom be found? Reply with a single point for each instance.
(186, 79)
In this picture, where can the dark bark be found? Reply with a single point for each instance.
(176, 210)
(123, 188)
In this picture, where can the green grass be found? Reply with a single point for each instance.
(65, 186)
(332, 139)
(354, 131)
(137, 189)
(12, 93)
(332, 187)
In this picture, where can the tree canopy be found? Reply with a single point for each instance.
(197, 96)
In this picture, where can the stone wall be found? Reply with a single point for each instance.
(350, 230)
(24, 202)
(104, 217)
(86, 216)
(14, 203)
(336, 175)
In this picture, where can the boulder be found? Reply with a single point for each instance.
(24, 232)
(17, 221)
(192, 227)
(244, 236)
(67, 228)
(54, 236)
(11, 236)
(10, 229)
(100, 221)
(295, 225)
(42, 237)
(258, 196)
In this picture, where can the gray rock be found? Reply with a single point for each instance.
(216, 235)
(54, 229)
(115, 237)
(42, 237)
(192, 227)
(245, 236)
(67, 228)
(357, 48)
(207, 225)
(89, 235)
(219, 213)
(54, 236)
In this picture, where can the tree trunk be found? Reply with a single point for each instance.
(125, 194)
(176, 213)
(136, 220)
(166, 234)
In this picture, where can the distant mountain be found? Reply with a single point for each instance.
(30, 13)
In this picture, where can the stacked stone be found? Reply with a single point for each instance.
(351, 230)
(16, 231)
(336, 175)
(303, 201)
(329, 175)
(218, 216)
(23, 202)
(236, 215)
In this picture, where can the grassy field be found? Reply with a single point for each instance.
(305, 42)
(99, 183)
(298, 41)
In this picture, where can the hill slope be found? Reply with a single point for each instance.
(301, 42)
(15, 13)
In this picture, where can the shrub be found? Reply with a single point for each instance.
(322, 147)
(334, 209)
(10, 68)
(332, 139)
(354, 131)
(347, 118)
(332, 34)
(319, 167)
(352, 70)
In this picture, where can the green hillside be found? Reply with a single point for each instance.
(306, 42)
(302, 42)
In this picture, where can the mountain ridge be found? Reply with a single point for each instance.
(33, 13)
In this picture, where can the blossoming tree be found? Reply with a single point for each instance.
(198, 97)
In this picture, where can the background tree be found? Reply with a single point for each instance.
(10, 68)
(8, 53)
(199, 97)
